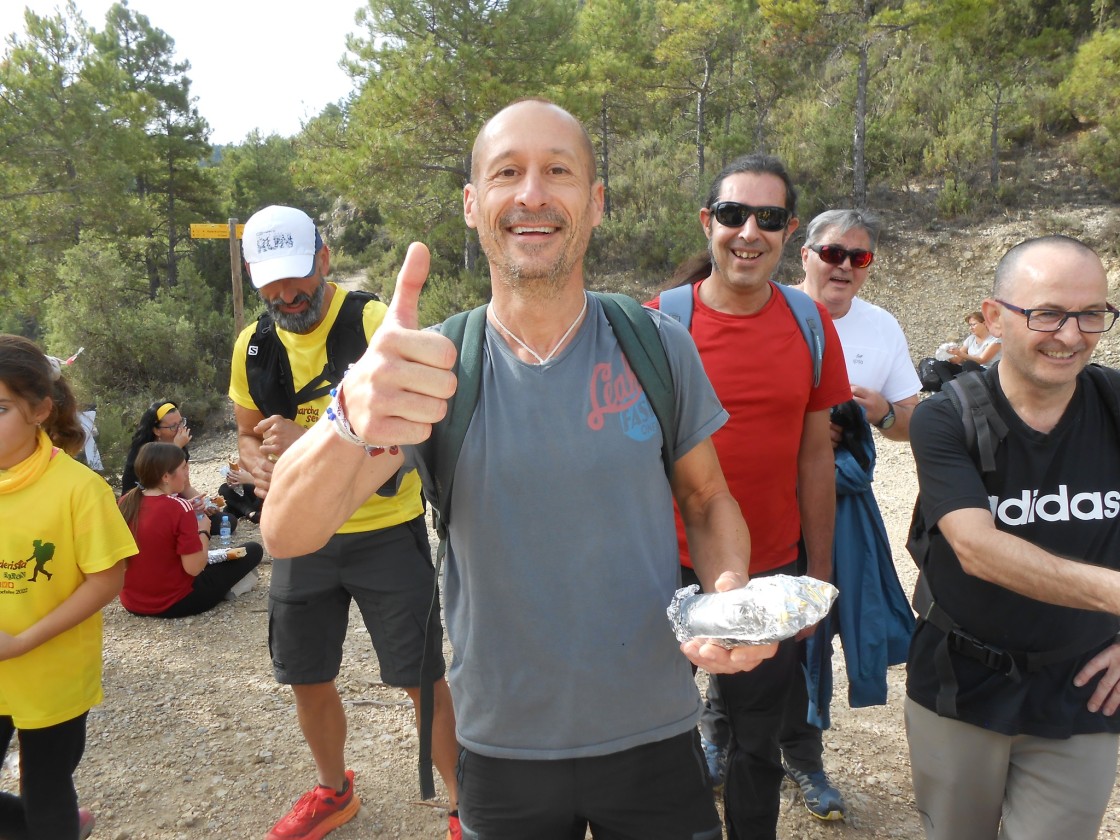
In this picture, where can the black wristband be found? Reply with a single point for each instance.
(204, 533)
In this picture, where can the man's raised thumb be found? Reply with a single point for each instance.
(410, 280)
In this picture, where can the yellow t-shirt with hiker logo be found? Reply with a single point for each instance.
(57, 528)
(307, 354)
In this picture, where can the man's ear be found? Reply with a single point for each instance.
(993, 317)
(469, 199)
(706, 222)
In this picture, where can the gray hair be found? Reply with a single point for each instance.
(844, 221)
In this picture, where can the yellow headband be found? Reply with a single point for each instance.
(164, 410)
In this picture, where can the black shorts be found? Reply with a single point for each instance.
(657, 791)
(388, 573)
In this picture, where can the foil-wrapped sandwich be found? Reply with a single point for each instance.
(766, 610)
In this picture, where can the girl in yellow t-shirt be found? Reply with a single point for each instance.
(61, 549)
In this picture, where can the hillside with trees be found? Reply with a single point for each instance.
(935, 111)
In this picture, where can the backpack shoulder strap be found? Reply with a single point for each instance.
(984, 429)
(467, 330)
(268, 372)
(808, 319)
(1107, 381)
(640, 341)
(677, 303)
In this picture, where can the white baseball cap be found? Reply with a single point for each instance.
(279, 242)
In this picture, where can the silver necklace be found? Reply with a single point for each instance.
(540, 360)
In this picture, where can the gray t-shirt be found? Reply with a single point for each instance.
(563, 555)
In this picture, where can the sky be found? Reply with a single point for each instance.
(263, 64)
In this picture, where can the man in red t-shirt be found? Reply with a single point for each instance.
(776, 450)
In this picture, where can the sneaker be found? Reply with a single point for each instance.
(86, 821)
(822, 800)
(454, 830)
(716, 758)
(317, 813)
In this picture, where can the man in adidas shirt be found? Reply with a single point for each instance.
(1012, 679)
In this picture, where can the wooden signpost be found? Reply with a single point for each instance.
(231, 231)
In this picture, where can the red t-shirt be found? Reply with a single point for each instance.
(166, 529)
(763, 374)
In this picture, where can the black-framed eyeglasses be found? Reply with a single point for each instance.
(1052, 320)
(182, 424)
(835, 255)
(733, 214)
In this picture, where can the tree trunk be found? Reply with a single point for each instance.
(172, 262)
(859, 134)
(701, 115)
(604, 143)
(993, 166)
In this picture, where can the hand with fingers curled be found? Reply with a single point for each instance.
(399, 388)
(1106, 665)
(716, 659)
(277, 434)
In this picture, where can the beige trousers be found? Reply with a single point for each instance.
(973, 784)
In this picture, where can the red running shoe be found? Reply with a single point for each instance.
(317, 813)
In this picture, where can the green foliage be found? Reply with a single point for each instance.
(1092, 90)
(656, 221)
(955, 199)
(100, 140)
(176, 344)
(431, 73)
(445, 295)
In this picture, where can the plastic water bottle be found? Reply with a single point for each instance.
(224, 532)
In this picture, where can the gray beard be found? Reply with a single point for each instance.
(538, 286)
(300, 322)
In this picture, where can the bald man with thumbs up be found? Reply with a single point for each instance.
(575, 705)
(378, 556)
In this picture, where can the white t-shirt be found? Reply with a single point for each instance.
(974, 347)
(876, 351)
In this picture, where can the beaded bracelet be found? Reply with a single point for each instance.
(336, 413)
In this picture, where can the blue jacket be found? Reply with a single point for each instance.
(872, 614)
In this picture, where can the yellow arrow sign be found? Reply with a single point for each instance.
(210, 230)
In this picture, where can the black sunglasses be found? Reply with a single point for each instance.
(733, 214)
(835, 255)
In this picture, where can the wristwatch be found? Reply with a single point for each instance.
(888, 418)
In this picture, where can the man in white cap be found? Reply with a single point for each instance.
(284, 367)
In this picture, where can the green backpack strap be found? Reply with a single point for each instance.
(641, 343)
(467, 331)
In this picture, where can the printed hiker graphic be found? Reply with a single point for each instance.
(42, 552)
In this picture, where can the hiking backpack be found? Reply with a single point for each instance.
(268, 370)
(677, 303)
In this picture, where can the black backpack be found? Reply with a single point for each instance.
(269, 372)
(984, 431)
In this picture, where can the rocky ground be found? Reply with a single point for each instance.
(195, 739)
